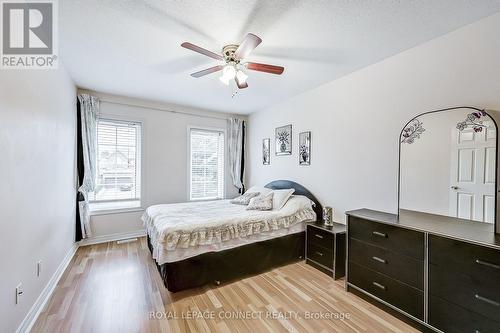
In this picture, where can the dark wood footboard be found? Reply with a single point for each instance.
(228, 265)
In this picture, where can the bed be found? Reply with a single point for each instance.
(194, 244)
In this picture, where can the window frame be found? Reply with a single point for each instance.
(98, 207)
(189, 160)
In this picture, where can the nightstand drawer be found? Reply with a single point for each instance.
(320, 255)
(402, 296)
(404, 241)
(320, 237)
(399, 267)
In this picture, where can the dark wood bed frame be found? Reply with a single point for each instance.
(231, 264)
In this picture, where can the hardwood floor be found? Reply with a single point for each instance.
(116, 288)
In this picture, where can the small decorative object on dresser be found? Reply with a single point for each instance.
(328, 216)
(305, 148)
(283, 136)
(266, 151)
(325, 248)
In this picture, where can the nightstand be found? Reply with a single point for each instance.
(325, 248)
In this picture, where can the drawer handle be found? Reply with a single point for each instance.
(380, 234)
(319, 236)
(488, 264)
(380, 260)
(378, 285)
(319, 253)
(487, 300)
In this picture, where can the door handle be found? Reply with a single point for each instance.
(319, 236)
(455, 188)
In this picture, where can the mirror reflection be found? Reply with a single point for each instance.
(448, 164)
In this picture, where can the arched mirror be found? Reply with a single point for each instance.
(448, 164)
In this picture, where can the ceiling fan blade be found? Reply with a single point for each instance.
(207, 71)
(278, 70)
(250, 42)
(241, 85)
(201, 50)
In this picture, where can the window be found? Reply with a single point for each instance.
(118, 177)
(207, 164)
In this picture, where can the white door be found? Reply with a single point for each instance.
(473, 160)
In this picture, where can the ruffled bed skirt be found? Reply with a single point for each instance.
(218, 234)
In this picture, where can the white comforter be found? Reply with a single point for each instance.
(184, 225)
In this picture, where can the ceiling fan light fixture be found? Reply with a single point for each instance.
(242, 77)
(229, 72)
(224, 80)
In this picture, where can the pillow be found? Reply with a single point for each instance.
(259, 189)
(262, 202)
(281, 197)
(245, 198)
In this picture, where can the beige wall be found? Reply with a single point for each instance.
(356, 120)
(37, 192)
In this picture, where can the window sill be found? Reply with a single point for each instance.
(98, 208)
(206, 199)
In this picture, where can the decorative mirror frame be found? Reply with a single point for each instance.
(416, 134)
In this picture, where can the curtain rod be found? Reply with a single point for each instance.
(164, 110)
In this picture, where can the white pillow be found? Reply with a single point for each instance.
(262, 202)
(280, 197)
(245, 198)
(259, 189)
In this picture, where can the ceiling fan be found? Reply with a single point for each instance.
(232, 57)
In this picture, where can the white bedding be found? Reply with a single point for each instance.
(180, 231)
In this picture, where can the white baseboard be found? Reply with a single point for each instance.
(38, 306)
(46, 293)
(112, 237)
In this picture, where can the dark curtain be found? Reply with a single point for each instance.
(242, 190)
(79, 169)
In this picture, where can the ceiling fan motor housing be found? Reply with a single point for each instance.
(228, 53)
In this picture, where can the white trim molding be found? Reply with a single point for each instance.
(111, 237)
(40, 303)
(46, 293)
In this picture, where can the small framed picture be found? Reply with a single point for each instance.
(305, 148)
(266, 151)
(283, 136)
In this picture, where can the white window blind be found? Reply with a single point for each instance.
(118, 178)
(207, 164)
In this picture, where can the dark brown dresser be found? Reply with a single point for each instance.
(325, 248)
(438, 272)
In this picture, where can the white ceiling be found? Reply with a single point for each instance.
(132, 47)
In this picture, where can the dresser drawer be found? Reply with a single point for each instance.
(320, 255)
(320, 237)
(399, 267)
(402, 296)
(408, 242)
(462, 257)
(470, 292)
(451, 318)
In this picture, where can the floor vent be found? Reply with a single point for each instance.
(128, 240)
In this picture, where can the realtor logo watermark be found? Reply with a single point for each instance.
(29, 34)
